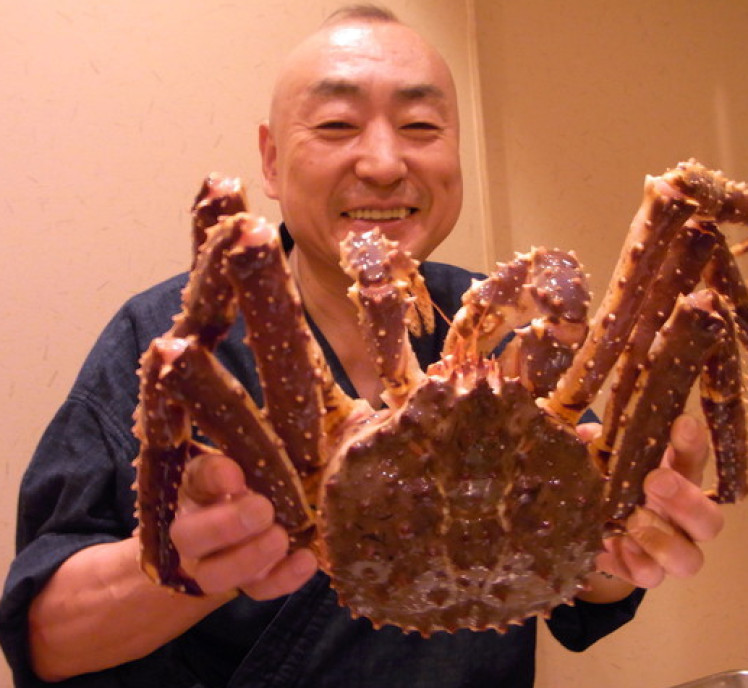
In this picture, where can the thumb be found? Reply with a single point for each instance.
(212, 477)
(689, 448)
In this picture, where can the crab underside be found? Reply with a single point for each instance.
(468, 501)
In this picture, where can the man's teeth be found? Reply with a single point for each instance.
(379, 215)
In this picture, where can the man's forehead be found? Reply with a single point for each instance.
(344, 61)
(339, 87)
(350, 58)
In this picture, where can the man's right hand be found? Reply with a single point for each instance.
(227, 537)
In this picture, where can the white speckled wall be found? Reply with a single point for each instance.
(113, 110)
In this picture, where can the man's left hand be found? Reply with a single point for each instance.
(662, 537)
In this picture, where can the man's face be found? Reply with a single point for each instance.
(364, 132)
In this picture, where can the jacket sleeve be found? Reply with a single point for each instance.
(76, 491)
(579, 626)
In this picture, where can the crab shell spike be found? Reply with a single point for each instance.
(218, 197)
(739, 249)
(692, 333)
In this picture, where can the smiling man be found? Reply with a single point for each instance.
(363, 131)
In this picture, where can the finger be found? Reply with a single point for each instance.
(202, 531)
(624, 558)
(674, 551)
(232, 567)
(284, 578)
(689, 448)
(588, 431)
(210, 477)
(681, 501)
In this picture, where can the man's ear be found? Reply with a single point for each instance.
(269, 154)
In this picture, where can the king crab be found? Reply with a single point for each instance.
(469, 501)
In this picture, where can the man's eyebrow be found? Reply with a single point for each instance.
(332, 88)
(420, 92)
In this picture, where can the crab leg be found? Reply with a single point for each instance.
(163, 428)
(208, 304)
(162, 425)
(719, 198)
(662, 213)
(208, 310)
(218, 197)
(696, 333)
(289, 362)
(549, 284)
(722, 403)
(679, 274)
(390, 296)
(540, 353)
(225, 412)
(723, 275)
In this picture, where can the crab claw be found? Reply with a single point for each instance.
(391, 298)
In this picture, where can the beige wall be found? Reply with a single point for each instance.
(113, 110)
(580, 100)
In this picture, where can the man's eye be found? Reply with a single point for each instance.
(335, 129)
(335, 125)
(421, 125)
(424, 129)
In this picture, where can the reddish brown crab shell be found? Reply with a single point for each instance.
(487, 501)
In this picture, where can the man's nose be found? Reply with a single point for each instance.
(380, 156)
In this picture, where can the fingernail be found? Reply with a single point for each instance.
(304, 563)
(272, 542)
(642, 520)
(663, 484)
(631, 546)
(688, 429)
(255, 512)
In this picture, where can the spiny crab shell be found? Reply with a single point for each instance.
(473, 508)
(469, 501)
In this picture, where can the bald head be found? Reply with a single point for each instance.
(366, 32)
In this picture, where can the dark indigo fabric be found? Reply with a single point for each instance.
(77, 492)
